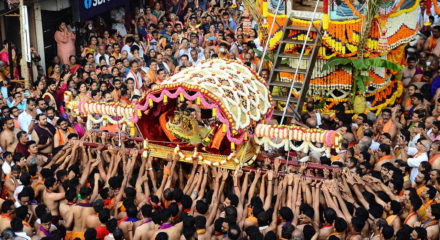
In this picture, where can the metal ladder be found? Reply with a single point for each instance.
(295, 104)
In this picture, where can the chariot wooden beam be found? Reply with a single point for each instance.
(245, 169)
(261, 159)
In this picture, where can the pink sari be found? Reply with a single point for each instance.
(4, 57)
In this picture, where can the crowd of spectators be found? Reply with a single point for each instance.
(383, 184)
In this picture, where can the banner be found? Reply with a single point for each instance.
(91, 8)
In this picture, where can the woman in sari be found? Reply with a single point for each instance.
(83, 93)
(39, 87)
(141, 28)
(73, 65)
(56, 74)
(158, 13)
(4, 57)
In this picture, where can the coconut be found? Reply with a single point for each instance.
(359, 104)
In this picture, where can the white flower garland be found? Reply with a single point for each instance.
(105, 119)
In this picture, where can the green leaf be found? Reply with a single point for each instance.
(379, 62)
(260, 53)
(365, 78)
(284, 61)
(360, 83)
(360, 64)
(336, 62)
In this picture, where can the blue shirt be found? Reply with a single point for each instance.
(435, 85)
(232, 25)
(21, 106)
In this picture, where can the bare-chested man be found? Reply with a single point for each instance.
(409, 71)
(172, 232)
(8, 212)
(62, 133)
(146, 224)
(34, 157)
(52, 198)
(8, 137)
(79, 213)
(431, 225)
(11, 182)
(432, 44)
(128, 223)
(66, 208)
(93, 220)
(43, 134)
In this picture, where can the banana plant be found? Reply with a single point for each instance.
(361, 68)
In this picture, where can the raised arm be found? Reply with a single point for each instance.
(191, 178)
(253, 185)
(268, 200)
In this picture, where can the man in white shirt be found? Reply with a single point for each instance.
(26, 119)
(200, 51)
(429, 124)
(134, 74)
(118, 16)
(419, 154)
(101, 52)
(140, 44)
(17, 227)
(8, 163)
(128, 43)
(194, 59)
(415, 134)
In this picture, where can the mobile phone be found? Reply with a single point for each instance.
(141, 10)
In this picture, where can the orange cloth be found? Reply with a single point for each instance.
(79, 235)
(58, 132)
(152, 76)
(26, 224)
(163, 124)
(432, 43)
(252, 219)
(110, 128)
(433, 159)
(390, 219)
(16, 125)
(384, 158)
(387, 126)
(408, 102)
(41, 182)
(218, 138)
(68, 235)
(419, 190)
(409, 217)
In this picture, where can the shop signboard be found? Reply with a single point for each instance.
(91, 8)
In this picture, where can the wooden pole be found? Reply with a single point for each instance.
(260, 159)
(245, 168)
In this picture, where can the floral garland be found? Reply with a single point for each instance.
(105, 119)
(341, 36)
(202, 88)
(111, 109)
(266, 134)
(296, 133)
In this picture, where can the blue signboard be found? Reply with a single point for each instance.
(91, 8)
